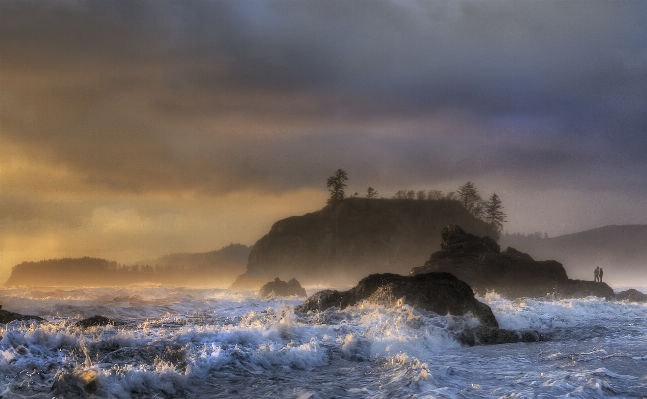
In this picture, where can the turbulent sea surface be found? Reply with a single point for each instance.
(210, 343)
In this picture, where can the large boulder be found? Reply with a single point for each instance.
(479, 262)
(441, 293)
(7, 317)
(279, 287)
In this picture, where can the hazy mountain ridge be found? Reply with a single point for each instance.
(620, 249)
(353, 238)
(237, 253)
(215, 268)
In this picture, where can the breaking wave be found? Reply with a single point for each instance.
(181, 342)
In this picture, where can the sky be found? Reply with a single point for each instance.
(133, 129)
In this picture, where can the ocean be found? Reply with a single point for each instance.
(213, 343)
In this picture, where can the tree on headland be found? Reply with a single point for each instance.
(336, 184)
(371, 193)
(434, 195)
(494, 212)
(469, 197)
(450, 196)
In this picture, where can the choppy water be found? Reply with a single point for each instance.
(202, 343)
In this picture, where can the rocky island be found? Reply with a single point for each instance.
(353, 238)
(480, 263)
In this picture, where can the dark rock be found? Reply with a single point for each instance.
(511, 273)
(279, 287)
(484, 335)
(353, 238)
(441, 293)
(96, 321)
(7, 317)
(78, 384)
(631, 295)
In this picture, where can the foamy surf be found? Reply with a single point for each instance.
(182, 342)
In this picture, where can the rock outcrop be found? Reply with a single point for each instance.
(479, 262)
(279, 287)
(354, 238)
(96, 321)
(441, 293)
(7, 317)
(631, 295)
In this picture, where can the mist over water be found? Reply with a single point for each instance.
(185, 342)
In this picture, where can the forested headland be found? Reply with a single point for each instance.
(214, 269)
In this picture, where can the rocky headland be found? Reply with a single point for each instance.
(353, 238)
(480, 263)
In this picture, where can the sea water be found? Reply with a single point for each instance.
(210, 343)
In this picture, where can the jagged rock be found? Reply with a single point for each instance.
(514, 274)
(441, 293)
(631, 295)
(7, 317)
(279, 287)
(95, 321)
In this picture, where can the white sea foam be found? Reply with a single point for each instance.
(179, 342)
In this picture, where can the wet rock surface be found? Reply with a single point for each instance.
(441, 293)
(8, 317)
(511, 273)
(77, 384)
(484, 335)
(279, 287)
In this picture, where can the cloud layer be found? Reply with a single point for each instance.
(126, 101)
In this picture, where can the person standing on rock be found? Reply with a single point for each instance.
(601, 273)
(596, 274)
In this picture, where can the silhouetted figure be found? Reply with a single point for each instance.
(596, 274)
(601, 273)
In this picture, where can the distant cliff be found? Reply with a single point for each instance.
(620, 250)
(216, 268)
(349, 240)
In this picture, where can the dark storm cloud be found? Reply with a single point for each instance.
(225, 95)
